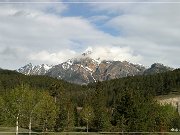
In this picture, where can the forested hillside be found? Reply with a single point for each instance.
(127, 104)
(157, 84)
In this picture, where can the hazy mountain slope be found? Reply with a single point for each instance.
(157, 68)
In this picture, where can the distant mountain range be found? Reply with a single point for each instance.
(30, 69)
(84, 70)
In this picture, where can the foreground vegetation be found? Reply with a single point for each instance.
(40, 103)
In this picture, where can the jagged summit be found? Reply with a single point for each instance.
(30, 69)
(85, 70)
(157, 68)
(87, 52)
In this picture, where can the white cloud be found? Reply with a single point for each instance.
(148, 33)
(114, 53)
(52, 58)
(11, 52)
(98, 52)
(151, 29)
(11, 57)
(37, 31)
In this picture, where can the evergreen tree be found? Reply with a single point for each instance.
(2, 107)
(165, 117)
(133, 112)
(101, 120)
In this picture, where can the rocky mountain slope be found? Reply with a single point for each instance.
(29, 69)
(157, 68)
(84, 70)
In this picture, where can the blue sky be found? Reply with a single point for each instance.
(85, 10)
(51, 33)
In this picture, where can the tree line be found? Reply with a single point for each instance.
(41, 103)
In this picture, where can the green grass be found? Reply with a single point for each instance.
(11, 131)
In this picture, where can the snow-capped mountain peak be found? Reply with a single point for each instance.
(87, 52)
(30, 69)
(47, 67)
(84, 70)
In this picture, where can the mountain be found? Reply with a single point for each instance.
(157, 68)
(78, 71)
(108, 70)
(84, 70)
(29, 69)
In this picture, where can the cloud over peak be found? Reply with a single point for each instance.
(51, 33)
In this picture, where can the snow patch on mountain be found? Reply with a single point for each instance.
(30, 69)
(47, 67)
(93, 78)
(65, 66)
(84, 69)
(88, 69)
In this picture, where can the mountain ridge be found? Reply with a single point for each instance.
(30, 69)
(84, 70)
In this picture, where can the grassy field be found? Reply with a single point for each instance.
(11, 131)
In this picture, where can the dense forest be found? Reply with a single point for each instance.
(41, 103)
